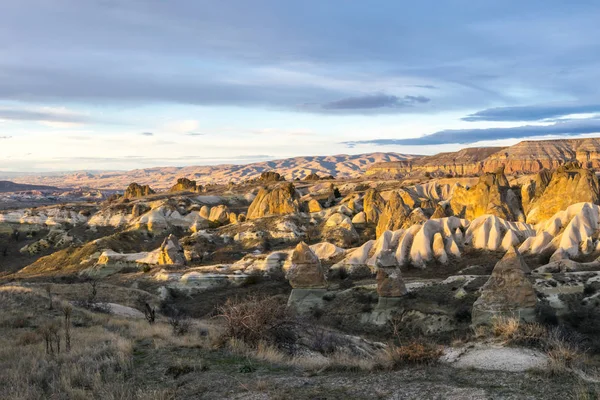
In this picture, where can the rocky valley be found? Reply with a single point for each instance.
(467, 275)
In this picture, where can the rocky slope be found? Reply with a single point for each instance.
(530, 156)
(339, 166)
(467, 161)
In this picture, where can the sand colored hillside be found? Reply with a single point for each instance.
(339, 166)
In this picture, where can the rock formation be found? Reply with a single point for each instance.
(569, 184)
(219, 214)
(171, 252)
(282, 199)
(373, 205)
(389, 277)
(393, 215)
(135, 191)
(270, 176)
(205, 212)
(306, 271)
(314, 206)
(340, 231)
(508, 292)
(186, 185)
(312, 177)
(491, 195)
(469, 161)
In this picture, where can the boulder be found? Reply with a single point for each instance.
(339, 230)
(280, 200)
(135, 191)
(171, 252)
(205, 212)
(359, 219)
(306, 271)
(389, 277)
(219, 214)
(508, 292)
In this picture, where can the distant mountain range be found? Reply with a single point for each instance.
(160, 178)
(524, 157)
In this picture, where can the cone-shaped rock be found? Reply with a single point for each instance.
(508, 292)
(389, 277)
(278, 201)
(306, 271)
(373, 205)
(393, 215)
(171, 252)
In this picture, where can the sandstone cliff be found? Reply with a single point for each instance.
(530, 156)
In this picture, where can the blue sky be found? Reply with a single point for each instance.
(107, 84)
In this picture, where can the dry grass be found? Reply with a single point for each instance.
(98, 366)
(514, 332)
(414, 353)
(564, 353)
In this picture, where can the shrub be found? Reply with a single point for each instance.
(255, 319)
(180, 323)
(28, 338)
(413, 353)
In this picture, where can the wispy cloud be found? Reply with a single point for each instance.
(5, 137)
(531, 113)
(466, 136)
(147, 134)
(48, 115)
(374, 101)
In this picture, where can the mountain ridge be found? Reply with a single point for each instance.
(340, 166)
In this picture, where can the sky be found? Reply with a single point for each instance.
(115, 84)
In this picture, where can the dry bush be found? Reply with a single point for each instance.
(28, 338)
(416, 352)
(514, 332)
(562, 347)
(255, 319)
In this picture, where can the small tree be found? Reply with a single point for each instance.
(149, 313)
(93, 291)
(67, 311)
(49, 292)
(51, 334)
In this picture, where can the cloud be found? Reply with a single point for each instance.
(47, 115)
(147, 134)
(182, 126)
(5, 137)
(195, 134)
(107, 52)
(531, 113)
(466, 136)
(374, 101)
